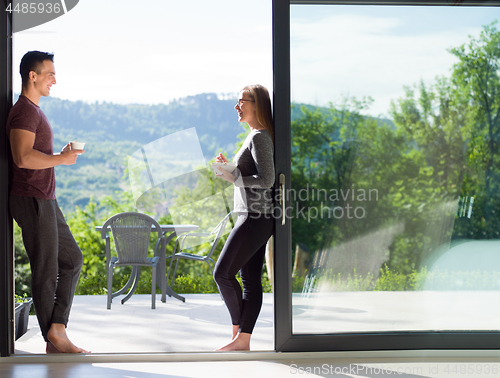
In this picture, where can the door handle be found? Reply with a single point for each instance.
(283, 198)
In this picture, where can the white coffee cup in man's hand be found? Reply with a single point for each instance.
(77, 145)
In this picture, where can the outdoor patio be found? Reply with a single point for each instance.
(202, 323)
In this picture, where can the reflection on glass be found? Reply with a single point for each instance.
(395, 171)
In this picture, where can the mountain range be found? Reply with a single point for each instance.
(112, 132)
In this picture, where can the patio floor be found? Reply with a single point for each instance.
(202, 323)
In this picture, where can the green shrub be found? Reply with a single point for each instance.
(342, 282)
(184, 284)
(22, 270)
(91, 285)
(390, 280)
(21, 298)
(195, 285)
(298, 284)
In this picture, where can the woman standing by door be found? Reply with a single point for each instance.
(245, 247)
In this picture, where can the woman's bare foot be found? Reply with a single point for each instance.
(240, 342)
(236, 329)
(50, 348)
(59, 340)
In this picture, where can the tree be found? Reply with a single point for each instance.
(434, 130)
(325, 152)
(477, 78)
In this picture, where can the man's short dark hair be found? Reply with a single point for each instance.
(32, 61)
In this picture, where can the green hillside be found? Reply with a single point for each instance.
(113, 132)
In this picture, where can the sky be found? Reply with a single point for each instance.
(160, 50)
(154, 51)
(374, 51)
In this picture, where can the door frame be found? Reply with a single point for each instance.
(6, 223)
(285, 340)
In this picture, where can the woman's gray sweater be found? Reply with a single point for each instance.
(254, 174)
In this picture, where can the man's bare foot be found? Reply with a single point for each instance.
(240, 342)
(50, 348)
(59, 340)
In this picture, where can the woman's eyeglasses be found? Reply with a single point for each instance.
(241, 100)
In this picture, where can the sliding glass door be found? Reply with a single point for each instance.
(391, 176)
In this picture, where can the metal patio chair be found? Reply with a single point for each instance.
(131, 232)
(178, 253)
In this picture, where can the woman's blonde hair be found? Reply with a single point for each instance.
(260, 95)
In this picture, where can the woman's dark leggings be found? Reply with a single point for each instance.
(244, 251)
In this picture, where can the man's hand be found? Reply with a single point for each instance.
(66, 147)
(24, 156)
(68, 153)
(70, 156)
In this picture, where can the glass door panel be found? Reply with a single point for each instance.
(395, 174)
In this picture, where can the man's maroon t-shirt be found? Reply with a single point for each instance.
(38, 183)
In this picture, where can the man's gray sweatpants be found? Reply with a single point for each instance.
(55, 258)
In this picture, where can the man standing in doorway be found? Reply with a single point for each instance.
(55, 258)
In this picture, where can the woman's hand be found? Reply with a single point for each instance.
(221, 159)
(222, 173)
(225, 175)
